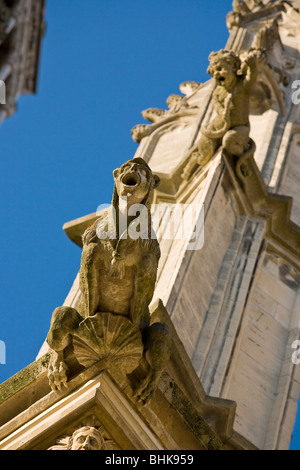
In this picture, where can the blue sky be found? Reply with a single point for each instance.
(102, 63)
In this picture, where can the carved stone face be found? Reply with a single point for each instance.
(223, 73)
(133, 181)
(87, 438)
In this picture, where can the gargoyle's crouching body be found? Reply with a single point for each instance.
(230, 125)
(118, 275)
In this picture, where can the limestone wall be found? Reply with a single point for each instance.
(261, 357)
(290, 183)
(193, 289)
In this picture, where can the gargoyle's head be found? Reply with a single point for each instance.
(224, 67)
(135, 181)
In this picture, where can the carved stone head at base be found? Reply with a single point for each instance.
(86, 438)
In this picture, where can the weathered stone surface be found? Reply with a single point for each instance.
(88, 435)
(177, 417)
(108, 337)
(235, 303)
(117, 279)
(259, 358)
(231, 100)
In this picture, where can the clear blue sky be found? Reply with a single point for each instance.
(102, 63)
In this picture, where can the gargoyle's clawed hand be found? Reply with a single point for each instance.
(146, 389)
(57, 373)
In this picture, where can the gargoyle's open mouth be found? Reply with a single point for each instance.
(130, 179)
(221, 79)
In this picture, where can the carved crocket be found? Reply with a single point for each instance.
(117, 279)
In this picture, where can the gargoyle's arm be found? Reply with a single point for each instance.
(90, 234)
(144, 286)
(101, 229)
(224, 122)
(218, 103)
(251, 69)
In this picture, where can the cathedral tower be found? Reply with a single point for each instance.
(227, 292)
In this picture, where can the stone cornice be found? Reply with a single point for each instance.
(179, 391)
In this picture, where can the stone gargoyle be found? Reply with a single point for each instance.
(117, 278)
(230, 126)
